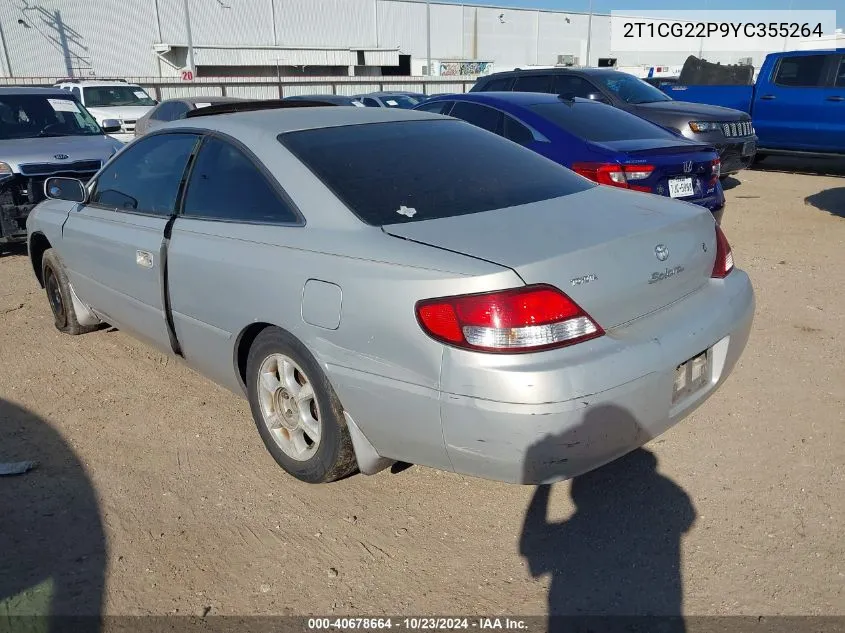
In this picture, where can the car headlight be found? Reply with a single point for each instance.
(6, 171)
(703, 126)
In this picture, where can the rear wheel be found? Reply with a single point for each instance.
(59, 295)
(297, 412)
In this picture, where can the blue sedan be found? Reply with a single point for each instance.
(598, 141)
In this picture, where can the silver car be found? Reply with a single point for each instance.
(388, 285)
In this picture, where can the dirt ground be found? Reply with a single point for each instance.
(155, 495)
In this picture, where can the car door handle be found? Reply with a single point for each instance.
(768, 97)
(144, 259)
(836, 98)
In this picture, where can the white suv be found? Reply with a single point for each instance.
(114, 99)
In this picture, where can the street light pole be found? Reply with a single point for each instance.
(190, 41)
(589, 32)
(428, 36)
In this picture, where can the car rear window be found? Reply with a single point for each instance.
(599, 123)
(408, 171)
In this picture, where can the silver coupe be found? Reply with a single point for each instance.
(388, 285)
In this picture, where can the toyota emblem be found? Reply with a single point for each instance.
(60, 156)
(661, 252)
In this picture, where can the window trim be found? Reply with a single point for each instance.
(824, 76)
(272, 181)
(92, 186)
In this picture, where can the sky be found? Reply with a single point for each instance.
(606, 6)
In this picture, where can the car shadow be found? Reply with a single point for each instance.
(52, 543)
(830, 200)
(15, 248)
(730, 182)
(618, 556)
(801, 165)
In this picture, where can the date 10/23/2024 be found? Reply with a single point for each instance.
(416, 624)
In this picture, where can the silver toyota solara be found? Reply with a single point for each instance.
(385, 285)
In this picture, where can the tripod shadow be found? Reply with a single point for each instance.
(52, 544)
(619, 554)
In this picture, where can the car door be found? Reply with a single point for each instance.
(790, 105)
(832, 121)
(231, 205)
(113, 245)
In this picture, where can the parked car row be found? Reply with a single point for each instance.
(387, 284)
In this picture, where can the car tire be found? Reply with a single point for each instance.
(59, 295)
(298, 415)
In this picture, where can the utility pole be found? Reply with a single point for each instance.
(428, 36)
(589, 33)
(190, 41)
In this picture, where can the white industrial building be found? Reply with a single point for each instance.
(266, 38)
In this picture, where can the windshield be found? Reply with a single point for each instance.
(32, 116)
(407, 171)
(630, 89)
(400, 101)
(108, 96)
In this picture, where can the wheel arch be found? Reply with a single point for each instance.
(243, 343)
(37, 246)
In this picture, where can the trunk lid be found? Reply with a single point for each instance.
(671, 161)
(599, 246)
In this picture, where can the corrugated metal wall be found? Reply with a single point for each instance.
(344, 23)
(244, 22)
(403, 25)
(116, 37)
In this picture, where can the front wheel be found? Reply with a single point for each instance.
(59, 295)
(298, 414)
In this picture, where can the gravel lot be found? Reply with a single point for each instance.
(155, 495)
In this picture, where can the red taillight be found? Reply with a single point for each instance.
(715, 170)
(724, 257)
(525, 319)
(614, 174)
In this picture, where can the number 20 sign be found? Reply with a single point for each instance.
(187, 75)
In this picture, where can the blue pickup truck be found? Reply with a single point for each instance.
(797, 103)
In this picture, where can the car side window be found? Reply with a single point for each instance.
(499, 85)
(145, 177)
(438, 107)
(533, 83)
(371, 103)
(840, 74)
(572, 86)
(516, 131)
(479, 115)
(160, 113)
(801, 71)
(227, 185)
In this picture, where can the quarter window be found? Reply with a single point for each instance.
(479, 115)
(145, 178)
(227, 185)
(517, 132)
(438, 107)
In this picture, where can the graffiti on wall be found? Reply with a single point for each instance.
(465, 68)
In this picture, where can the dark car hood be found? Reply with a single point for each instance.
(701, 111)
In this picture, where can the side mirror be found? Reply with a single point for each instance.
(597, 96)
(69, 189)
(110, 125)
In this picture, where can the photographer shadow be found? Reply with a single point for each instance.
(52, 542)
(617, 558)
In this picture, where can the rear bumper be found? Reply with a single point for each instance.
(620, 391)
